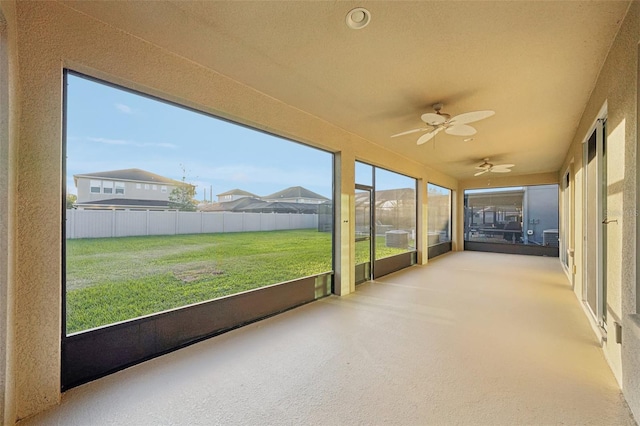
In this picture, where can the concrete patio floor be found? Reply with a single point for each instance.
(469, 339)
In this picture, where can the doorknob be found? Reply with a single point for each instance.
(607, 221)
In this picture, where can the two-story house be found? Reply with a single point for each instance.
(128, 189)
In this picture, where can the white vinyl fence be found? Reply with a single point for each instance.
(122, 223)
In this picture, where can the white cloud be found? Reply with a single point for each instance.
(248, 174)
(133, 143)
(111, 141)
(125, 109)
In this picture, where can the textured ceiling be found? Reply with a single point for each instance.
(533, 62)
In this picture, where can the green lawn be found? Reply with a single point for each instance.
(116, 279)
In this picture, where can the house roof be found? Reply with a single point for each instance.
(384, 195)
(237, 192)
(137, 175)
(280, 207)
(123, 202)
(255, 205)
(502, 198)
(229, 205)
(400, 194)
(295, 192)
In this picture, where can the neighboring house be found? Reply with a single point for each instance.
(295, 199)
(229, 206)
(128, 189)
(394, 208)
(296, 194)
(234, 194)
(255, 205)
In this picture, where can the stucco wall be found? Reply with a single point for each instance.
(9, 115)
(4, 212)
(51, 36)
(616, 89)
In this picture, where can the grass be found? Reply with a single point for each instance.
(116, 279)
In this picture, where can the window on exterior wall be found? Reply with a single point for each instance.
(120, 188)
(107, 187)
(439, 213)
(395, 213)
(181, 248)
(526, 215)
(95, 186)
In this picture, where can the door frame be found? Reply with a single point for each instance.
(599, 187)
(369, 189)
(569, 222)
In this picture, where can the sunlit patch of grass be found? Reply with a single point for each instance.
(116, 279)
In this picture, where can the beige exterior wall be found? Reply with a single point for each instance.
(616, 90)
(46, 45)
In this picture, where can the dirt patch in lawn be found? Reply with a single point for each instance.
(190, 273)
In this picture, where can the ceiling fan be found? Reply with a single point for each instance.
(486, 166)
(439, 121)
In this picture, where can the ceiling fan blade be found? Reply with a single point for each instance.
(503, 166)
(433, 119)
(470, 117)
(495, 170)
(409, 132)
(461, 130)
(428, 136)
(481, 173)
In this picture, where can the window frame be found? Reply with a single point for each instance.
(386, 265)
(94, 353)
(119, 188)
(445, 246)
(97, 184)
(510, 248)
(107, 185)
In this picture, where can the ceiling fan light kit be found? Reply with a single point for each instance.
(438, 121)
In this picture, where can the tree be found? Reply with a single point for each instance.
(71, 199)
(181, 197)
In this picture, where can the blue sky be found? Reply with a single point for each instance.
(111, 129)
